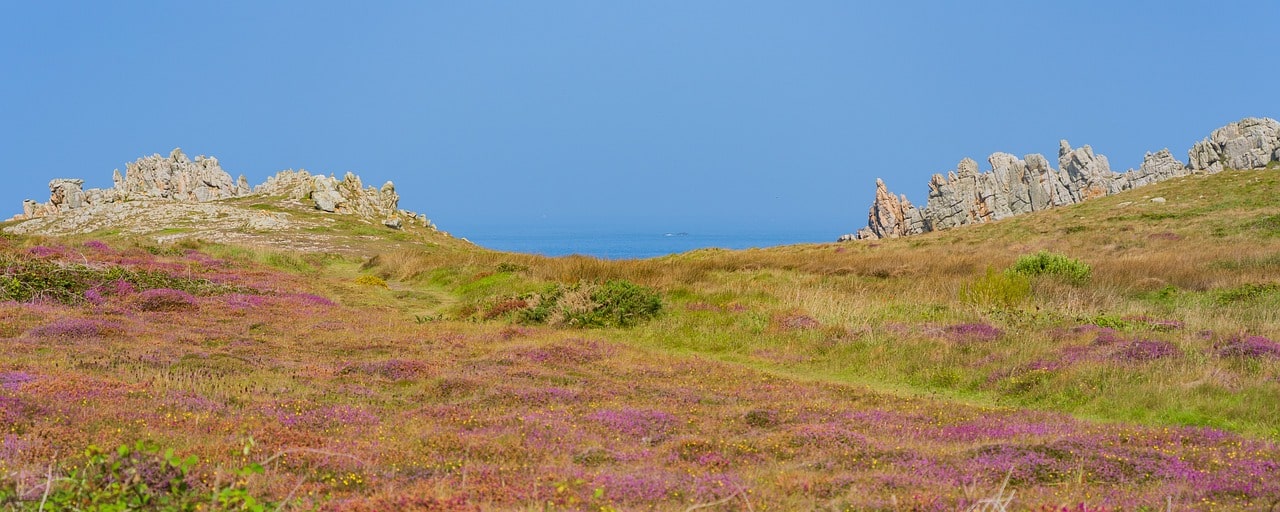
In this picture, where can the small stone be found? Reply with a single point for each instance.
(1158, 200)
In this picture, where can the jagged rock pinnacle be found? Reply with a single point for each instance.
(1013, 187)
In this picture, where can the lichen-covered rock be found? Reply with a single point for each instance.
(1013, 187)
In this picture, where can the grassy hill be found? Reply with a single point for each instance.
(400, 370)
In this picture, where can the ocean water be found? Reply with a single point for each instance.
(632, 245)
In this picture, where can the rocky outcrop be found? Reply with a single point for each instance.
(1015, 186)
(180, 179)
(346, 196)
(894, 216)
(1251, 143)
(175, 177)
(1155, 167)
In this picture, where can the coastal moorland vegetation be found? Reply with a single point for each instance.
(1118, 354)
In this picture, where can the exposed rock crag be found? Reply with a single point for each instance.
(179, 179)
(1015, 186)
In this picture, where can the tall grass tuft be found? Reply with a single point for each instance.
(1001, 289)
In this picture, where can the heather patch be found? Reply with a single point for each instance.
(97, 245)
(165, 299)
(14, 380)
(796, 322)
(1251, 347)
(76, 329)
(647, 424)
(1146, 350)
(15, 410)
(638, 488)
(972, 332)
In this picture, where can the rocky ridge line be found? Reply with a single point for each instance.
(180, 179)
(1015, 186)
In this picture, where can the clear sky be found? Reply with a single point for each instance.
(654, 115)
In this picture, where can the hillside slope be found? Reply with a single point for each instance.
(381, 371)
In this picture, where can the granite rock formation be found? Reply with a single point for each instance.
(1015, 186)
(1251, 143)
(179, 179)
(345, 196)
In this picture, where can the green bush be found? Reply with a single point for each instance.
(1245, 293)
(615, 303)
(622, 304)
(140, 477)
(1002, 289)
(1046, 263)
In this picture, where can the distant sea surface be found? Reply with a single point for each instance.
(622, 245)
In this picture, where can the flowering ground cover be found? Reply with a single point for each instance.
(846, 377)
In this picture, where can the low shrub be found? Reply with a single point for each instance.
(1046, 263)
(615, 303)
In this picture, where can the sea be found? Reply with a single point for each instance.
(617, 245)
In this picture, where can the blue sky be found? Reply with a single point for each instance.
(664, 116)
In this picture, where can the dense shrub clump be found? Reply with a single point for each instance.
(615, 303)
(1046, 263)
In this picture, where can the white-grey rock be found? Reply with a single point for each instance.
(177, 177)
(1013, 187)
(1250, 143)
